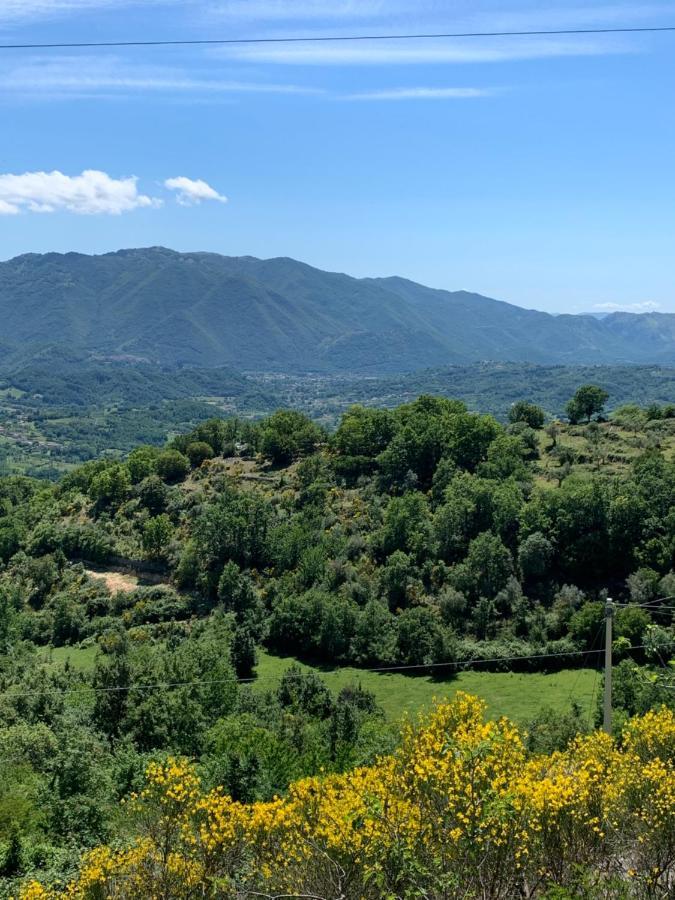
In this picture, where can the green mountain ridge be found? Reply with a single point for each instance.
(159, 306)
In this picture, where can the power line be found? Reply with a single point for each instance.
(652, 602)
(170, 685)
(648, 607)
(71, 45)
(584, 661)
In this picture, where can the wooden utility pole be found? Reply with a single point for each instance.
(607, 717)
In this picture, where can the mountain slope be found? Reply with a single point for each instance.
(170, 308)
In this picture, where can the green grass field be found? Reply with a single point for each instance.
(519, 696)
(79, 658)
(516, 695)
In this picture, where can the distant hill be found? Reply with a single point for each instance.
(279, 315)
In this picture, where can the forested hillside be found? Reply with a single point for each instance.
(426, 538)
(156, 305)
(64, 407)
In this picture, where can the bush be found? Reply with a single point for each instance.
(172, 466)
(527, 412)
(198, 452)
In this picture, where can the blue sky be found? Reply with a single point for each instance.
(535, 170)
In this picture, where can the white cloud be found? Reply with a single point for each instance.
(18, 11)
(432, 51)
(423, 93)
(644, 306)
(74, 76)
(90, 193)
(190, 192)
(298, 10)
(432, 15)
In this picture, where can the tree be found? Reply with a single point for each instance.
(505, 458)
(375, 637)
(522, 411)
(153, 494)
(534, 556)
(362, 434)
(215, 433)
(243, 652)
(111, 678)
(632, 624)
(287, 435)
(13, 861)
(551, 729)
(141, 462)
(396, 576)
(407, 526)
(586, 624)
(237, 593)
(111, 486)
(172, 466)
(157, 533)
(486, 568)
(630, 416)
(198, 452)
(589, 400)
(421, 637)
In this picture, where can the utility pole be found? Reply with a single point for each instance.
(609, 615)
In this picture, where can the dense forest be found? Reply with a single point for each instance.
(425, 536)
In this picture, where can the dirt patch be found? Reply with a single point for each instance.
(115, 581)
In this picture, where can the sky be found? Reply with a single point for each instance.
(537, 170)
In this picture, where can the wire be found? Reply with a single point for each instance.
(645, 606)
(168, 685)
(648, 603)
(601, 628)
(69, 45)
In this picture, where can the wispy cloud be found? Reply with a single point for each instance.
(423, 93)
(304, 10)
(369, 53)
(191, 192)
(643, 306)
(479, 15)
(93, 192)
(26, 10)
(110, 75)
(326, 18)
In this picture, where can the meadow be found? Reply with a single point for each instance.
(517, 695)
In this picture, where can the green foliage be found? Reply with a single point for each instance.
(111, 487)
(153, 494)
(552, 730)
(287, 435)
(589, 400)
(172, 466)
(522, 411)
(141, 463)
(487, 567)
(407, 526)
(422, 536)
(157, 533)
(198, 452)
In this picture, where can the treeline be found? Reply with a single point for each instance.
(412, 536)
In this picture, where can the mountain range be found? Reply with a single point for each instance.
(162, 307)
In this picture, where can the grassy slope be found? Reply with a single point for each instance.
(518, 696)
(618, 449)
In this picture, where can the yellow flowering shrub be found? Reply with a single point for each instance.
(460, 809)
